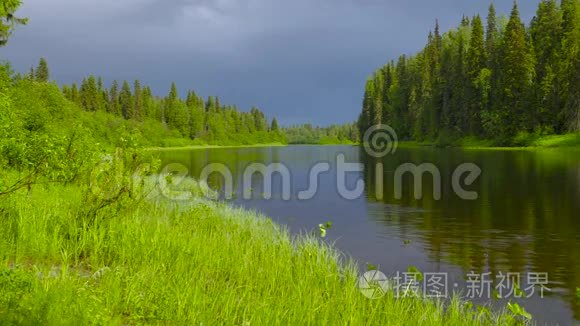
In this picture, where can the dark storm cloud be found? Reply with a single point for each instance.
(300, 60)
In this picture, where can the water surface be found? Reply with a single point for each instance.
(526, 219)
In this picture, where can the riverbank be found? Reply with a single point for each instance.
(194, 147)
(525, 142)
(139, 261)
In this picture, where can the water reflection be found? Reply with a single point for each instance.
(525, 219)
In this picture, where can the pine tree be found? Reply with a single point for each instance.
(74, 95)
(460, 103)
(175, 112)
(42, 73)
(476, 61)
(434, 97)
(274, 126)
(149, 107)
(491, 45)
(113, 106)
(516, 66)
(546, 34)
(101, 95)
(196, 115)
(465, 21)
(8, 20)
(126, 100)
(66, 92)
(377, 105)
(137, 112)
(89, 94)
(366, 120)
(491, 32)
(570, 66)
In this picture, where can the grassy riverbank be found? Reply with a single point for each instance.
(523, 141)
(193, 147)
(150, 262)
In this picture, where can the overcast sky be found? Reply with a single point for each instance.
(299, 60)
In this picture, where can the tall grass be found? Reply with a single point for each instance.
(159, 263)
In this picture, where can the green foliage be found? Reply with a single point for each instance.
(332, 135)
(15, 286)
(178, 122)
(274, 126)
(7, 19)
(495, 84)
(414, 270)
(42, 74)
(518, 311)
(34, 145)
(125, 101)
(323, 229)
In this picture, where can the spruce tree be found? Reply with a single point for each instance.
(196, 115)
(274, 126)
(8, 20)
(491, 32)
(367, 118)
(516, 66)
(491, 45)
(126, 100)
(148, 103)
(74, 94)
(137, 112)
(175, 112)
(101, 95)
(570, 66)
(546, 34)
(89, 95)
(476, 60)
(42, 73)
(113, 105)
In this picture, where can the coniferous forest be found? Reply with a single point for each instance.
(174, 120)
(499, 80)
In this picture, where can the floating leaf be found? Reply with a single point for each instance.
(322, 230)
(371, 267)
(517, 310)
(416, 271)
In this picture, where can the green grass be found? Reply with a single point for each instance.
(205, 146)
(528, 142)
(568, 140)
(152, 262)
(521, 141)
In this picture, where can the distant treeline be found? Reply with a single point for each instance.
(335, 134)
(194, 118)
(503, 81)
